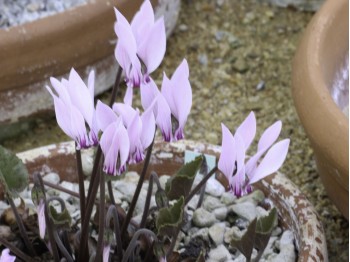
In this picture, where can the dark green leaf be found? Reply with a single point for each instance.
(180, 184)
(170, 218)
(245, 243)
(13, 173)
(264, 227)
(161, 199)
(60, 218)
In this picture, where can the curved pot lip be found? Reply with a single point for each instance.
(48, 46)
(307, 63)
(295, 210)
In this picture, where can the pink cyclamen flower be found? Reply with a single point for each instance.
(140, 129)
(241, 174)
(178, 94)
(175, 99)
(41, 218)
(114, 142)
(6, 257)
(74, 108)
(152, 98)
(145, 39)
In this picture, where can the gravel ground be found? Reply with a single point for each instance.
(18, 12)
(240, 55)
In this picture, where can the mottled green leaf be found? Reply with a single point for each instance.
(60, 218)
(264, 227)
(13, 173)
(169, 218)
(161, 199)
(245, 243)
(180, 184)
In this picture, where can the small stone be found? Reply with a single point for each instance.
(220, 213)
(192, 205)
(227, 198)
(203, 59)
(132, 177)
(202, 233)
(231, 232)
(260, 86)
(203, 218)
(287, 254)
(162, 180)
(214, 188)
(87, 158)
(127, 189)
(248, 18)
(261, 212)
(276, 232)
(245, 210)
(255, 197)
(287, 238)
(219, 254)
(66, 185)
(219, 3)
(183, 27)
(219, 35)
(216, 233)
(210, 203)
(240, 66)
(52, 178)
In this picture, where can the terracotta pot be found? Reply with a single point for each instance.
(81, 37)
(321, 52)
(295, 211)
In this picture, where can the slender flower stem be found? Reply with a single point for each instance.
(113, 213)
(62, 247)
(137, 190)
(133, 241)
(200, 184)
(116, 86)
(110, 192)
(49, 227)
(16, 251)
(81, 183)
(101, 222)
(21, 227)
(94, 172)
(85, 226)
(147, 202)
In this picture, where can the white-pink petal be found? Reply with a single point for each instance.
(270, 135)
(227, 158)
(105, 115)
(152, 49)
(272, 161)
(247, 129)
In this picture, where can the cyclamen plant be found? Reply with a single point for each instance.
(124, 135)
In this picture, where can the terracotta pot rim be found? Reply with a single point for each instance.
(294, 207)
(332, 121)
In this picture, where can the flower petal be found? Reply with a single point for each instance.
(152, 49)
(148, 128)
(270, 135)
(228, 154)
(148, 91)
(41, 218)
(143, 21)
(272, 161)
(125, 111)
(247, 129)
(6, 257)
(80, 96)
(105, 115)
